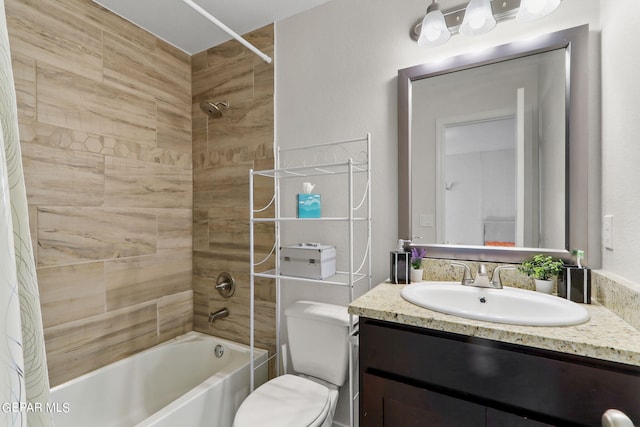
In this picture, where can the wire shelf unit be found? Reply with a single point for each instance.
(342, 161)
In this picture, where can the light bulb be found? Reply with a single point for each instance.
(478, 18)
(434, 30)
(530, 10)
(534, 6)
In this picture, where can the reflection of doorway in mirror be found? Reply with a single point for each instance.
(478, 180)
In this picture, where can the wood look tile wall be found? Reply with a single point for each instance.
(224, 150)
(105, 122)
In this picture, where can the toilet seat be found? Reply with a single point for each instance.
(285, 401)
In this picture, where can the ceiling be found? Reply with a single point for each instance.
(178, 24)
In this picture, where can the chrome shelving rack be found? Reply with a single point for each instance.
(344, 159)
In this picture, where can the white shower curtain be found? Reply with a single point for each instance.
(24, 383)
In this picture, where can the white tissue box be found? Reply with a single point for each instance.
(308, 260)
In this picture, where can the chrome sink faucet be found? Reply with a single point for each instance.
(495, 279)
(466, 277)
(482, 278)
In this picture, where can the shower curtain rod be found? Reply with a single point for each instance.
(228, 30)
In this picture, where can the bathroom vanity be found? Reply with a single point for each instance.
(423, 368)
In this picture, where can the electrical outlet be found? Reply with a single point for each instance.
(607, 232)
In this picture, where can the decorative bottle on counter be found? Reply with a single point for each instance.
(400, 263)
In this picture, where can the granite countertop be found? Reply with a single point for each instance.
(605, 336)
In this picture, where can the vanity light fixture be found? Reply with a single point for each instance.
(434, 31)
(477, 17)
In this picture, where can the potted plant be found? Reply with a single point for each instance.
(416, 264)
(542, 268)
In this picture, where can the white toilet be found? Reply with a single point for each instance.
(318, 341)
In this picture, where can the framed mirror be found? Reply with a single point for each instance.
(493, 150)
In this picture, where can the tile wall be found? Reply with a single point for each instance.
(105, 125)
(224, 150)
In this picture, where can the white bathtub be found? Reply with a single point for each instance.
(177, 383)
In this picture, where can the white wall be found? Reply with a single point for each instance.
(336, 69)
(621, 134)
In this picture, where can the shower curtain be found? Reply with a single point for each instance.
(24, 383)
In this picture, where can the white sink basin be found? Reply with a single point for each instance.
(508, 305)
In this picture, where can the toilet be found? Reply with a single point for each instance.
(319, 345)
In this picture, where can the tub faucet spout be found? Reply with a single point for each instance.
(223, 312)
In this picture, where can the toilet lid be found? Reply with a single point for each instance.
(285, 401)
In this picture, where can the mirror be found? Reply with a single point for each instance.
(492, 150)
(488, 153)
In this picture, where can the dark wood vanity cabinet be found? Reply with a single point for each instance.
(412, 376)
(386, 402)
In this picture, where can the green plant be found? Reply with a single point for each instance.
(416, 257)
(541, 267)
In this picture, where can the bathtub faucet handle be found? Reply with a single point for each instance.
(226, 285)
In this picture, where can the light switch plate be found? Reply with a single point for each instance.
(607, 232)
(426, 220)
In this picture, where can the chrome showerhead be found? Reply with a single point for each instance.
(214, 109)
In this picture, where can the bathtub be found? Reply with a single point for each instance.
(177, 383)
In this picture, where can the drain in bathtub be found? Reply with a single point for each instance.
(219, 350)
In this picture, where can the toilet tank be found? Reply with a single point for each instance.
(319, 340)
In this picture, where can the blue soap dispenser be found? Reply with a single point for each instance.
(400, 266)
